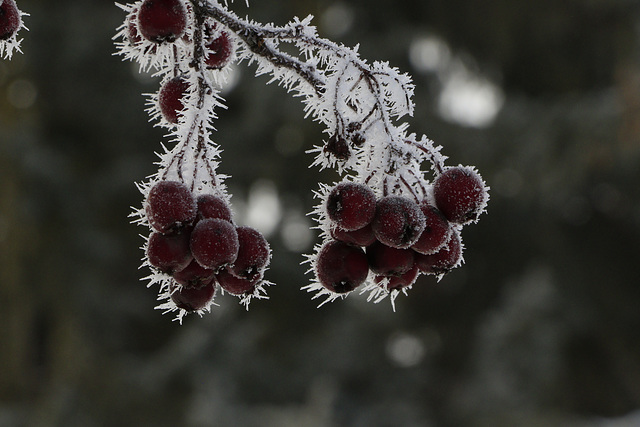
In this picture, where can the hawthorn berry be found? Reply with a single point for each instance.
(387, 261)
(460, 194)
(193, 275)
(236, 285)
(171, 98)
(253, 254)
(341, 267)
(193, 299)
(436, 232)
(170, 206)
(132, 34)
(169, 252)
(162, 21)
(351, 206)
(219, 51)
(398, 221)
(360, 237)
(211, 206)
(443, 261)
(214, 243)
(402, 281)
(9, 19)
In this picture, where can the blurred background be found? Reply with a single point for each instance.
(541, 327)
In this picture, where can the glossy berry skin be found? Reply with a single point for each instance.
(236, 285)
(398, 222)
(387, 261)
(193, 275)
(341, 267)
(193, 299)
(171, 98)
(214, 243)
(460, 194)
(219, 51)
(210, 206)
(443, 261)
(436, 232)
(170, 206)
(351, 206)
(361, 237)
(162, 21)
(169, 252)
(9, 19)
(253, 254)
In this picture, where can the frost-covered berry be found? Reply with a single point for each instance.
(236, 285)
(351, 206)
(193, 299)
(387, 261)
(360, 237)
(402, 281)
(169, 252)
(436, 232)
(341, 267)
(9, 19)
(162, 20)
(219, 51)
(443, 261)
(171, 98)
(398, 221)
(214, 243)
(253, 254)
(132, 34)
(210, 206)
(193, 275)
(460, 194)
(170, 206)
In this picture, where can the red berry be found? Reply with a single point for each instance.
(162, 20)
(253, 254)
(214, 243)
(171, 97)
(193, 299)
(169, 252)
(436, 232)
(193, 275)
(460, 194)
(402, 281)
(170, 206)
(398, 221)
(443, 261)
(341, 267)
(387, 261)
(351, 206)
(133, 35)
(236, 285)
(219, 51)
(210, 206)
(9, 19)
(361, 237)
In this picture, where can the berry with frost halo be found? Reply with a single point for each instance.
(341, 267)
(351, 206)
(162, 21)
(214, 243)
(170, 206)
(253, 254)
(171, 98)
(9, 19)
(398, 221)
(169, 252)
(193, 299)
(460, 194)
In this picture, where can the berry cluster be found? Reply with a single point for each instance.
(10, 24)
(195, 241)
(394, 238)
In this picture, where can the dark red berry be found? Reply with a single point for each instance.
(9, 19)
(210, 206)
(193, 299)
(193, 275)
(351, 206)
(170, 206)
(162, 20)
(443, 261)
(171, 98)
(341, 267)
(237, 285)
(402, 281)
(133, 35)
(169, 252)
(460, 194)
(436, 232)
(214, 243)
(219, 51)
(361, 237)
(253, 254)
(387, 261)
(398, 221)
